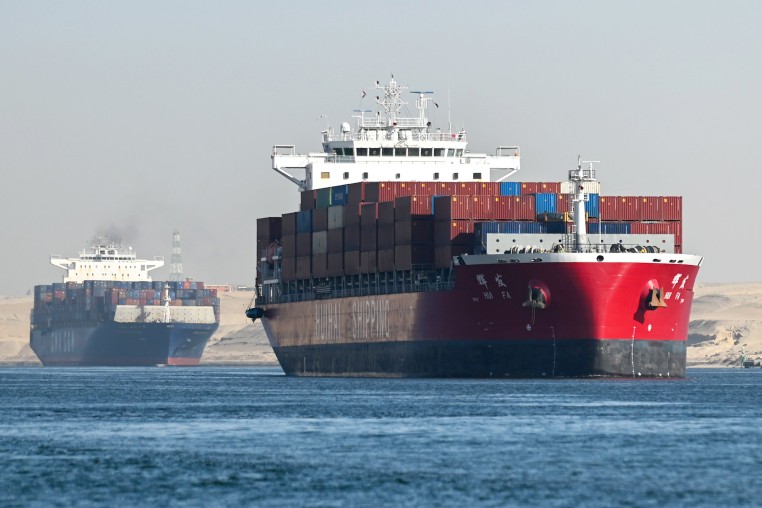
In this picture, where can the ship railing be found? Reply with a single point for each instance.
(311, 293)
(392, 136)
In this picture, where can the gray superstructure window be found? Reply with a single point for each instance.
(439, 152)
(413, 152)
(374, 151)
(387, 152)
(477, 176)
(426, 152)
(450, 152)
(362, 152)
(400, 152)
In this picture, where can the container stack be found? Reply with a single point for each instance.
(369, 227)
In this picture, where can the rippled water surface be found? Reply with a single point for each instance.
(252, 437)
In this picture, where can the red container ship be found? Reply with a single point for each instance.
(530, 295)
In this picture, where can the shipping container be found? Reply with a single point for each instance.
(481, 207)
(368, 239)
(352, 262)
(540, 187)
(445, 189)
(336, 217)
(303, 244)
(414, 232)
(323, 197)
(335, 264)
(307, 200)
(339, 195)
(319, 242)
(510, 188)
(320, 219)
(288, 246)
(609, 228)
(385, 236)
(386, 213)
(453, 232)
(443, 254)
(335, 240)
(352, 215)
(376, 192)
(563, 203)
(674, 228)
(405, 256)
(355, 193)
(448, 208)
(303, 267)
(465, 188)
(545, 202)
(487, 188)
(385, 259)
(269, 228)
(672, 208)
(649, 208)
(588, 187)
(320, 265)
(408, 207)
(304, 221)
(519, 208)
(368, 262)
(352, 238)
(404, 189)
(369, 215)
(592, 207)
(288, 223)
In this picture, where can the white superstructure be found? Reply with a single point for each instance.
(106, 260)
(386, 146)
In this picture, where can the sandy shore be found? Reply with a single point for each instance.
(726, 324)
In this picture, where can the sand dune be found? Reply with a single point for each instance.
(726, 324)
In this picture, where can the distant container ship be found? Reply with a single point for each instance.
(108, 312)
(412, 256)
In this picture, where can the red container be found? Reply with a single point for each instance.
(465, 188)
(674, 228)
(414, 232)
(386, 213)
(405, 256)
(459, 232)
(649, 208)
(487, 188)
(320, 265)
(369, 215)
(376, 192)
(563, 203)
(619, 208)
(409, 206)
(352, 262)
(448, 208)
(405, 189)
(386, 236)
(307, 200)
(352, 238)
(521, 207)
(368, 239)
(540, 187)
(672, 208)
(427, 188)
(385, 260)
(607, 206)
(335, 264)
(445, 189)
(481, 207)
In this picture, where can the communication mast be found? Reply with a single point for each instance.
(176, 261)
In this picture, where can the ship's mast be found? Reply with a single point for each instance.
(579, 177)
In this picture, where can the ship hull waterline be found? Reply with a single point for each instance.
(121, 344)
(596, 324)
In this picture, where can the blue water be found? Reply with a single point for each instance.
(252, 437)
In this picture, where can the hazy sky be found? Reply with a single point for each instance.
(145, 116)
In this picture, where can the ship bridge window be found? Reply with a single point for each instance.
(459, 152)
(350, 151)
(450, 152)
(362, 152)
(325, 175)
(477, 176)
(346, 175)
(374, 152)
(439, 152)
(387, 152)
(436, 176)
(338, 151)
(365, 176)
(455, 176)
(400, 152)
(413, 152)
(426, 152)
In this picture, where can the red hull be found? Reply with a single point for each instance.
(587, 300)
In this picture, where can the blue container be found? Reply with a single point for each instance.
(510, 188)
(555, 227)
(339, 194)
(591, 206)
(545, 202)
(304, 221)
(609, 228)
